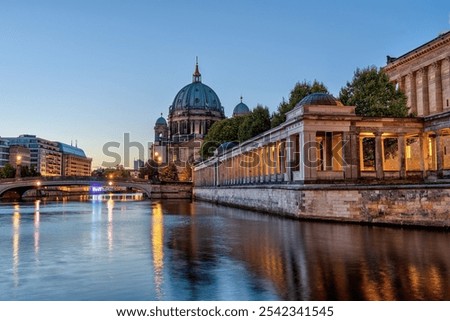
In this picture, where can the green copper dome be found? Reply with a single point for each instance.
(319, 99)
(161, 121)
(241, 109)
(196, 95)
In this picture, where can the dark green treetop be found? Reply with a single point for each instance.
(373, 94)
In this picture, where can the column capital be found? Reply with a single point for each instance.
(447, 59)
(422, 71)
(436, 65)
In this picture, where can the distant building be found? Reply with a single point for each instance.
(137, 164)
(195, 108)
(49, 158)
(4, 152)
(19, 156)
(45, 155)
(74, 161)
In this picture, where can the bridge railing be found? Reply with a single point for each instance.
(73, 178)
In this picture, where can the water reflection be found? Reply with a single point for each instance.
(157, 241)
(198, 251)
(16, 244)
(110, 206)
(310, 261)
(37, 219)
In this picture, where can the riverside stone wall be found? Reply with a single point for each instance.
(415, 205)
(172, 191)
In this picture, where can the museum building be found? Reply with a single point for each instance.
(324, 141)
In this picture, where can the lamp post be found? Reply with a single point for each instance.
(38, 184)
(18, 166)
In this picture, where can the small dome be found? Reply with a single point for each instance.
(225, 146)
(241, 109)
(319, 99)
(161, 121)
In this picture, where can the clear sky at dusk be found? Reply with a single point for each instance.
(93, 70)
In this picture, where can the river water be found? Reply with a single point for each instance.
(182, 250)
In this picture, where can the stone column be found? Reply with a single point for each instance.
(439, 155)
(445, 80)
(282, 155)
(379, 155)
(289, 158)
(350, 152)
(401, 155)
(309, 155)
(411, 92)
(437, 86)
(425, 91)
(423, 142)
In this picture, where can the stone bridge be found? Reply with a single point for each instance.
(22, 185)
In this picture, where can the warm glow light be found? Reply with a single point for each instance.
(38, 183)
(16, 244)
(156, 153)
(158, 247)
(408, 151)
(110, 183)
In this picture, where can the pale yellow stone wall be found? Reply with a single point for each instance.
(418, 205)
(424, 75)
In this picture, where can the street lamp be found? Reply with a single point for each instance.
(38, 184)
(18, 165)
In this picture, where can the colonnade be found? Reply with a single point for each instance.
(331, 156)
(427, 88)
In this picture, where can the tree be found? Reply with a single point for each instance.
(8, 171)
(300, 91)
(373, 94)
(255, 123)
(150, 170)
(236, 129)
(169, 173)
(225, 130)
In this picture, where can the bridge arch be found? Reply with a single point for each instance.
(22, 185)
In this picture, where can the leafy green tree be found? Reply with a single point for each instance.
(300, 91)
(150, 170)
(255, 123)
(225, 130)
(373, 94)
(8, 171)
(169, 173)
(236, 129)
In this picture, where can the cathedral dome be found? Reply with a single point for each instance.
(196, 95)
(319, 99)
(161, 121)
(241, 109)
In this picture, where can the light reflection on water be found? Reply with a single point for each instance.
(178, 250)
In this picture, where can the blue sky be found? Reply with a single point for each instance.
(93, 70)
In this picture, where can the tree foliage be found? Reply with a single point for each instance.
(300, 91)
(150, 170)
(253, 124)
(8, 171)
(169, 173)
(373, 95)
(236, 129)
